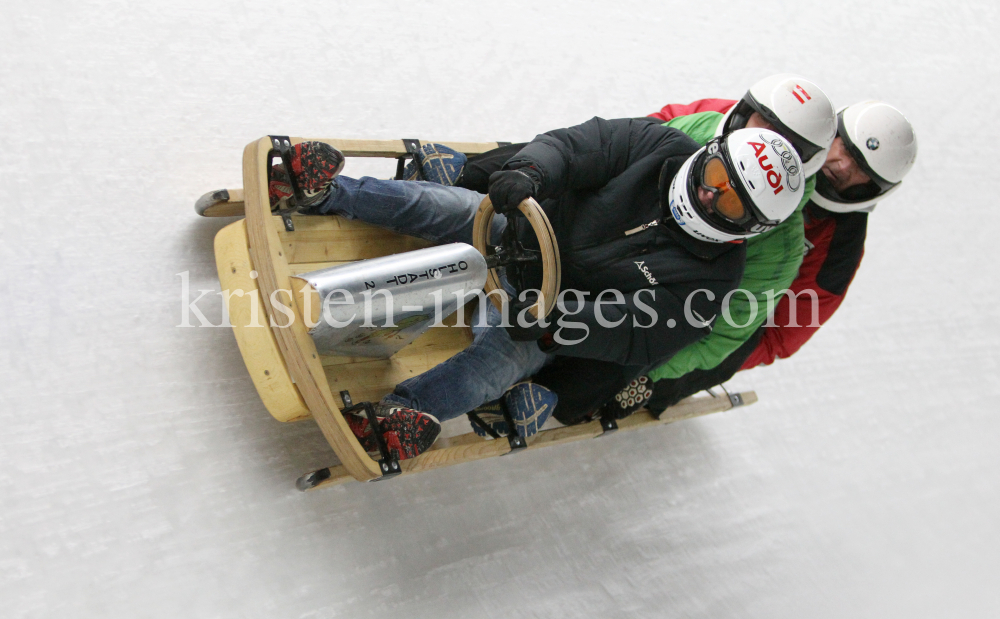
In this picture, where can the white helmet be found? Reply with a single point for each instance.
(797, 108)
(768, 188)
(882, 142)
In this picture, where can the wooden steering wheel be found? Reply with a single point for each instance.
(512, 255)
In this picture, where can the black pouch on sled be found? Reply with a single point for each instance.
(583, 385)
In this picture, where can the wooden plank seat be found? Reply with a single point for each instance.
(258, 345)
(256, 257)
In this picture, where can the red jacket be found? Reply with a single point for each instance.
(673, 110)
(835, 244)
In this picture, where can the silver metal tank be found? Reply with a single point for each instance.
(373, 308)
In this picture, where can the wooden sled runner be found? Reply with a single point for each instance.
(257, 259)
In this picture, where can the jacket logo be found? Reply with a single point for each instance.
(645, 271)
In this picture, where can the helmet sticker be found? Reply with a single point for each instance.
(787, 162)
(774, 177)
(803, 91)
(872, 143)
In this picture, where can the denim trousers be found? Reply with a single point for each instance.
(493, 362)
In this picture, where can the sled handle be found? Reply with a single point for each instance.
(551, 264)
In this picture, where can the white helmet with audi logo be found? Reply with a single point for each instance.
(737, 186)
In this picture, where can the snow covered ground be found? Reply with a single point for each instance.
(140, 476)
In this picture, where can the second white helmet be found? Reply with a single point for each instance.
(751, 180)
(797, 108)
(882, 142)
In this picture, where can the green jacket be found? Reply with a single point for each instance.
(773, 260)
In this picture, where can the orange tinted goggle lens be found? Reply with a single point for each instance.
(727, 203)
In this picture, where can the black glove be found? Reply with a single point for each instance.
(508, 188)
(532, 330)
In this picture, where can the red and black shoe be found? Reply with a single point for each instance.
(315, 165)
(406, 432)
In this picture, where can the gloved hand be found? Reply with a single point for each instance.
(508, 188)
(531, 330)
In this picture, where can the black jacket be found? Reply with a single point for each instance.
(599, 180)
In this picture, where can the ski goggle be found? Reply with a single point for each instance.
(725, 201)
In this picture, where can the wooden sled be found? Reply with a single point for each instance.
(257, 256)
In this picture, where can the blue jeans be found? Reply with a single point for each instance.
(427, 210)
(493, 362)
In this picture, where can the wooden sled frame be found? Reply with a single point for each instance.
(255, 262)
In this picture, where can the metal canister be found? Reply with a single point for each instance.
(373, 308)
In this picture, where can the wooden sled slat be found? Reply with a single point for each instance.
(397, 148)
(470, 447)
(370, 379)
(260, 348)
(247, 315)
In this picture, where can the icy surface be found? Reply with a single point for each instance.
(140, 476)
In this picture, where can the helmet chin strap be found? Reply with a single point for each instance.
(855, 194)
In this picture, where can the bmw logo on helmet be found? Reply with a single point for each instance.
(872, 143)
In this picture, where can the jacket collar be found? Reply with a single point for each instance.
(701, 249)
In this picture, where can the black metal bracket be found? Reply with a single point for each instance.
(281, 145)
(412, 148)
(511, 255)
(515, 440)
(388, 464)
(735, 399)
(608, 422)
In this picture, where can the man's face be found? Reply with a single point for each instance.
(841, 169)
(756, 121)
(705, 197)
